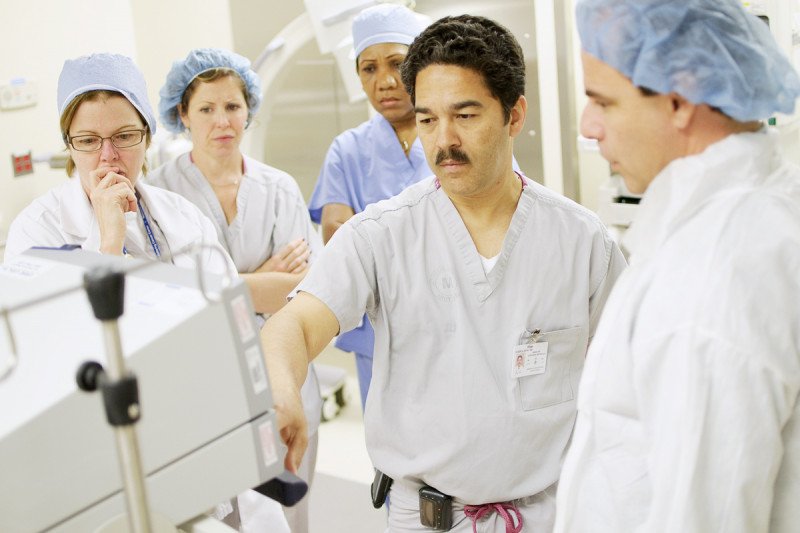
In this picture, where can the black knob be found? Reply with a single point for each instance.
(88, 376)
(106, 290)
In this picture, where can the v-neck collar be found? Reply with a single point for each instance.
(200, 183)
(484, 284)
(389, 148)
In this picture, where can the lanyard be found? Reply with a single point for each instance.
(153, 243)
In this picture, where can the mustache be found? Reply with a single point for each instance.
(453, 154)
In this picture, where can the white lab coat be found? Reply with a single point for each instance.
(64, 215)
(444, 408)
(688, 408)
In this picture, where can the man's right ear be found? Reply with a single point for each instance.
(682, 110)
(517, 115)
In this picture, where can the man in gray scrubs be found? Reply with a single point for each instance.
(460, 275)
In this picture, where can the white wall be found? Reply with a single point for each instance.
(39, 35)
(34, 43)
(166, 30)
(593, 170)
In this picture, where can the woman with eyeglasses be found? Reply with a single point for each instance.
(106, 124)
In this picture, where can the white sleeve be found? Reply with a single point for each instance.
(608, 263)
(27, 231)
(344, 276)
(713, 416)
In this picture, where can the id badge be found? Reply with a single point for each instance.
(530, 359)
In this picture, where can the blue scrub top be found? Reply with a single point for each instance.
(364, 165)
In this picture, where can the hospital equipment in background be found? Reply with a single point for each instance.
(783, 19)
(208, 428)
(312, 92)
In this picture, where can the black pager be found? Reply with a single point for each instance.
(435, 509)
(380, 488)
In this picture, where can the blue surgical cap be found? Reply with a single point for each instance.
(109, 72)
(198, 61)
(709, 51)
(386, 23)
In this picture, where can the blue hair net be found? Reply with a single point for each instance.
(386, 23)
(198, 61)
(108, 72)
(708, 51)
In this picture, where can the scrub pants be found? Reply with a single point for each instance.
(538, 512)
(364, 370)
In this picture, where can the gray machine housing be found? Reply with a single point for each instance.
(208, 428)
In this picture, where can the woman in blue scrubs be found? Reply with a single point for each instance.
(379, 158)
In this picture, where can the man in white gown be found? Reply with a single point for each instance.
(688, 414)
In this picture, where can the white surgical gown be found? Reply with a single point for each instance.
(688, 413)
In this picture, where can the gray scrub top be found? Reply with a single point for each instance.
(444, 408)
(270, 209)
(270, 214)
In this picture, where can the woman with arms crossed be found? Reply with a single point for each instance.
(258, 211)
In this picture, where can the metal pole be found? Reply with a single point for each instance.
(106, 291)
(127, 442)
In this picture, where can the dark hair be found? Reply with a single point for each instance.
(475, 43)
(644, 91)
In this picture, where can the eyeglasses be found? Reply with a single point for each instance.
(93, 143)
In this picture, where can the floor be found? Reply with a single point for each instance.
(340, 499)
